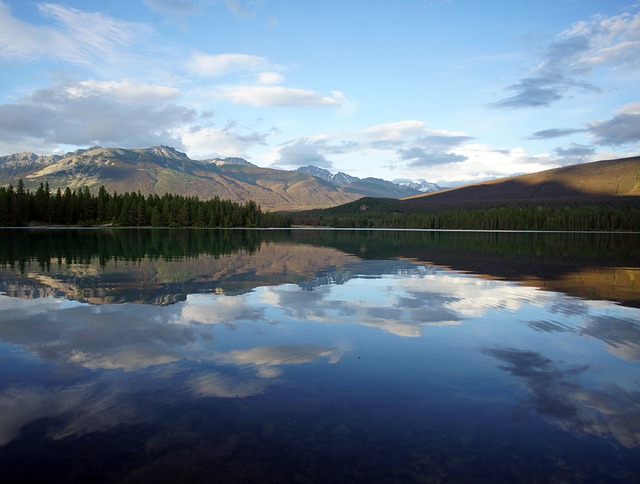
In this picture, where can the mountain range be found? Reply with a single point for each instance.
(370, 187)
(162, 169)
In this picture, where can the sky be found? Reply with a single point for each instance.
(448, 91)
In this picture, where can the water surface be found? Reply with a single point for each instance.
(318, 356)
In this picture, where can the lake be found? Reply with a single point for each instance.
(318, 356)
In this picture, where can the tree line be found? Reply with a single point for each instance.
(612, 215)
(21, 207)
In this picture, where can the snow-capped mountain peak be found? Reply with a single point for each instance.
(420, 185)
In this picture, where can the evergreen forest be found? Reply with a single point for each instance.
(579, 215)
(20, 207)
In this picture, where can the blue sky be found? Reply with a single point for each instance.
(448, 91)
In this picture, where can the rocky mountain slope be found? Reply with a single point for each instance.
(162, 169)
(421, 185)
(371, 187)
(339, 179)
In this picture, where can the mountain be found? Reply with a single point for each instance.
(228, 161)
(162, 169)
(17, 164)
(605, 179)
(339, 179)
(603, 195)
(367, 187)
(420, 185)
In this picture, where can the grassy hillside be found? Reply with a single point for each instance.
(596, 180)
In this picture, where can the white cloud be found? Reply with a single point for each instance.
(613, 41)
(279, 355)
(129, 358)
(78, 37)
(408, 143)
(218, 65)
(279, 96)
(126, 90)
(568, 61)
(302, 152)
(212, 142)
(212, 309)
(398, 130)
(112, 113)
(270, 78)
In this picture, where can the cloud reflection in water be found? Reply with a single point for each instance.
(559, 394)
(215, 346)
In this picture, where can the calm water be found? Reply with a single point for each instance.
(318, 356)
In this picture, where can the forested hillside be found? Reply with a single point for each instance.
(618, 214)
(20, 207)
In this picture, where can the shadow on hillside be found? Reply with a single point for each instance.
(516, 192)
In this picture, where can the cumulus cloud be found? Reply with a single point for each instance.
(212, 309)
(420, 157)
(405, 141)
(611, 42)
(231, 140)
(312, 151)
(410, 149)
(124, 113)
(402, 306)
(301, 152)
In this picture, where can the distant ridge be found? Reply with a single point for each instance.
(598, 196)
(339, 179)
(422, 185)
(598, 179)
(163, 169)
(367, 187)
(228, 161)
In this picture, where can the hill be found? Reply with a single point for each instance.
(603, 195)
(597, 180)
(161, 169)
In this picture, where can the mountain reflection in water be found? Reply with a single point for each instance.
(339, 356)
